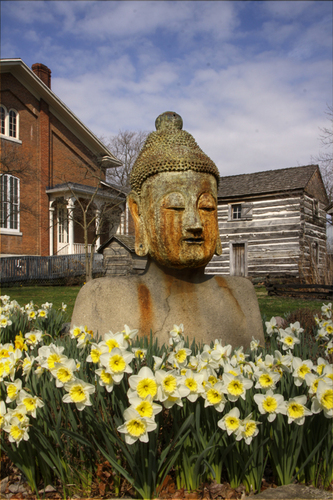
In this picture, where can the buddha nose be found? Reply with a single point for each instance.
(192, 222)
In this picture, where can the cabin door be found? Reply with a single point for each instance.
(238, 264)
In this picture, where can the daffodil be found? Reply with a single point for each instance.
(95, 352)
(42, 313)
(214, 396)
(235, 387)
(49, 355)
(296, 410)
(3, 411)
(78, 393)
(288, 340)
(326, 310)
(139, 353)
(17, 431)
(105, 379)
(7, 368)
(63, 372)
(129, 334)
(271, 326)
(247, 429)
(193, 381)
(294, 329)
(33, 338)
(176, 334)
(31, 403)
(270, 404)
(112, 340)
(136, 427)
(19, 343)
(116, 363)
(20, 412)
(231, 421)
(145, 407)
(27, 364)
(323, 399)
(169, 390)
(266, 379)
(142, 385)
(47, 305)
(178, 358)
(4, 321)
(13, 390)
(254, 344)
(301, 368)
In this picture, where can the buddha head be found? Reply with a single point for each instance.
(174, 198)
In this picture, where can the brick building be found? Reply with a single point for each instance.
(50, 163)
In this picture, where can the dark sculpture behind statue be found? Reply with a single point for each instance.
(174, 206)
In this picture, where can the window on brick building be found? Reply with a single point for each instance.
(9, 123)
(10, 203)
(3, 119)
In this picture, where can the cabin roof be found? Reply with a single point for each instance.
(127, 240)
(269, 181)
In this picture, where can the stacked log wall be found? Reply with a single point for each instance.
(313, 222)
(272, 237)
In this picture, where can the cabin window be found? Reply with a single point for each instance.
(10, 203)
(315, 208)
(236, 211)
(240, 211)
(315, 252)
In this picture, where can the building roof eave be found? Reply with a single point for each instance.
(41, 91)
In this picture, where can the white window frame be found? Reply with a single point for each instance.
(10, 205)
(6, 135)
(242, 209)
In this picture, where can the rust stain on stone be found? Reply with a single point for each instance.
(223, 284)
(146, 310)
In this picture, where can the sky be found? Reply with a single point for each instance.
(251, 79)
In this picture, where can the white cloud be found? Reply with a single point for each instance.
(252, 93)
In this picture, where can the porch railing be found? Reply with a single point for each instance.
(78, 248)
(33, 268)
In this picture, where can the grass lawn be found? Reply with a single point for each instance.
(269, 305)
(281, 306)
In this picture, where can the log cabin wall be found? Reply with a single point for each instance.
(275, 233)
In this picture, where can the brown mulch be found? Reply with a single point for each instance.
(14, 487)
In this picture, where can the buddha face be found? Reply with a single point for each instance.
(176, 218)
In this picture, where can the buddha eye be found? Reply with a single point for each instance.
(207, 203)
(174, 201)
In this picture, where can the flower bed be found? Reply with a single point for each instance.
(71, 404)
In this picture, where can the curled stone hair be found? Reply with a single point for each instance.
(169, 149)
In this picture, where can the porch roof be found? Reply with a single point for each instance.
(76, 189)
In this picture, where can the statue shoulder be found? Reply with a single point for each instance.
(109, 284)
(241, 288)
(105, 297)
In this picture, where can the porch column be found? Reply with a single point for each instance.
(70, 208)
(97, 228)
(51, 219)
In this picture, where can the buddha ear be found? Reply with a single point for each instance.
(141, 239)
(218, 249)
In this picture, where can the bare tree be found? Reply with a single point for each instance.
(126, 146)
(93, 211)
(325, 158)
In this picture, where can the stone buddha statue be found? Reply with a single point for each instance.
(173, 203)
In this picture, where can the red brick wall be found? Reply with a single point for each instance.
(54, 156)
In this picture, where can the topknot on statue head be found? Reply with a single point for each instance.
(169, 149)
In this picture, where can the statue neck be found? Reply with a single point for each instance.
(156, 270)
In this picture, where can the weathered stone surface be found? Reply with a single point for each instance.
(294, 492)
(174, 208)
(210, 308)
